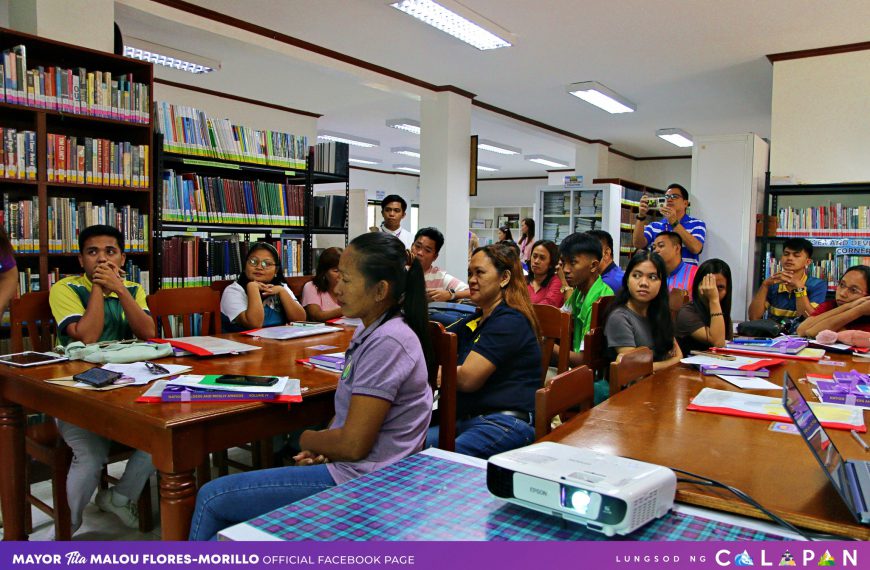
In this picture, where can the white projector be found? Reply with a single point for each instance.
(609, 494)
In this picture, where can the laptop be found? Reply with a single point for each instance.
(850, 478)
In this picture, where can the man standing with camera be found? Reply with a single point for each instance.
(691, 230)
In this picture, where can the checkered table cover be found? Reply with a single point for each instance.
(429, 498)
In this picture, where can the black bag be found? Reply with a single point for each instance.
(767, 328)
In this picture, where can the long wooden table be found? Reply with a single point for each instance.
(179, 436)
(649, 422)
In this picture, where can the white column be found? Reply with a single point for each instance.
(87, 23)
(590, 161)
(444, 147)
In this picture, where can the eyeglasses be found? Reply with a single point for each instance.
(673, 196)
(264, 263)
(853, 290)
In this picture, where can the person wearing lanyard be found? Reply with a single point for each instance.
(383, 401)
(499, 358)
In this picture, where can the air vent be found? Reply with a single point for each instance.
(644, 509)
(499, 481)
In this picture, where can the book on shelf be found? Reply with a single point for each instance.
(191, 131)
(17, 154)
(29, 281)
(87, 160)
(73, 90)
(189, 197)
(21, 222)
(69, 216)
(331, 158)
(329, 211)
(833, 219)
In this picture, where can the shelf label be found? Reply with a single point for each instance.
(197, 162)
(865, 250)
(840, 242)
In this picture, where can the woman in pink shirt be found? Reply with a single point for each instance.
(545, 288)
(318, 295)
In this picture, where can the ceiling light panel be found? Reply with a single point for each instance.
(407, 168)
(487, 167)
(546, 160)
(352, 140)
(676, 137)
(452, 18)
(492, 146)
(602, 97)
(363, 160)
(406, 151)
(408, 125)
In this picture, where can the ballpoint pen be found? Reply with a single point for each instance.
(712, 355)
(860, 440)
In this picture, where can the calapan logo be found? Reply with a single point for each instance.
(743, 559)
(827, 559)
(804, 558)
(787, 559)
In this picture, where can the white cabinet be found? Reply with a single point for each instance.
(484, 222)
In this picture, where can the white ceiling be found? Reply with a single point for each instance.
(698, 65)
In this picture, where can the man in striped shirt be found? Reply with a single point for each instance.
(680, 274)
(692, 231)
(440, 285)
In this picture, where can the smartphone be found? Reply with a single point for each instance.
(243, 380)
(97, 377)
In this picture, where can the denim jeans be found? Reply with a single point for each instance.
(483, 436)
(236, 498)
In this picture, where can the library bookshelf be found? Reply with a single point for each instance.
(84, 118)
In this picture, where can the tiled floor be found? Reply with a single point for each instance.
(96, 524)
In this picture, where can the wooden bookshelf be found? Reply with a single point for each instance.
(80, 120)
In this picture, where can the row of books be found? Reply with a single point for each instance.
(21, 222)
(17, 154)
(74, 90)
(29, 281)
(69, 216)
(86, 160)
(195, 261)
(329, 211)
(192, 131)
(332, 158)
(555, 232)
(557, 204)
(834, 219)
(189, 197)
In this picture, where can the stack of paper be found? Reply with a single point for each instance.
(291, 331)
(744, 372)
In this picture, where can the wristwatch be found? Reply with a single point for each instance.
(800, 292)
(452, 294)
(564, 289)
(639, 218)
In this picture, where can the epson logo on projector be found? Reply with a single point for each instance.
(537, 491)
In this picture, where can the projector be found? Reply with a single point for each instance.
(606, 493)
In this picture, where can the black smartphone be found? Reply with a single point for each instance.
(97, 377)
(244, 380)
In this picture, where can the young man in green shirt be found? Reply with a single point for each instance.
(581, 260)
(101, 306)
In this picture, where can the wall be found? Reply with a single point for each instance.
(820, 118)
(660, 173)
(621, 167)
(506, 193)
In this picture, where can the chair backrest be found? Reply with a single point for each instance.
(184, 303)
(570, 389)
(676, 299)
(630, 367)
(219, 286)
(595, 351)
(555, 328)
(599, 311)
(297, 283)
(31, 312)
(444, 348)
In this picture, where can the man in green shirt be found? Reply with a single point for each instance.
(581, 260)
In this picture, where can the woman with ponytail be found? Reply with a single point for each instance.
(499, 358)
(383, 401)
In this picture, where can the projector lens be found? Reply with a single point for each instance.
(580, 501)
(584, 502)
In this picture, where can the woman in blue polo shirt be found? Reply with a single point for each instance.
(499, 358)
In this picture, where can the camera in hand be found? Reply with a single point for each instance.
(656, 202)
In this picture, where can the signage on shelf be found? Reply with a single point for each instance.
(853, 250)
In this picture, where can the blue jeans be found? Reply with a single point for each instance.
(237, 498)
(484, 436)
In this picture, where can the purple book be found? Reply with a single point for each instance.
(333, 361)
(180, 393)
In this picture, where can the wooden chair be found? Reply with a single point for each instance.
(184, 303)
(676, 299)
(568, 390)
(444, 348)
(555, 329)
(599, 311)
(297, 283)
(629, 367)
(42, 441)
(219, 286)
(595, 352)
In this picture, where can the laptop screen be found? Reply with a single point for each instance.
(813, 432)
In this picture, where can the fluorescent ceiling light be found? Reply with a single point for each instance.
(166, 56)
(364, 160)
(458, 21)
(545, 160)
(352, 140)
(602, 97)
(678, 137)
(409, 125)
(406, 151)
(407, 168)
(492, 146)
(487, 167)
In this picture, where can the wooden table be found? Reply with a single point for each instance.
(649, 422)
(179, 436)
